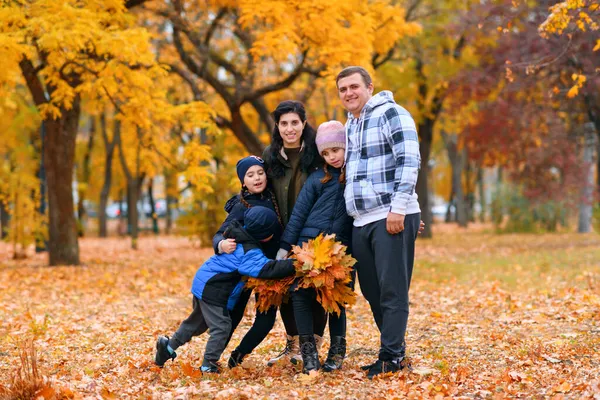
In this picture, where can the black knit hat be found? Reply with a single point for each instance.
(260, 222)
(244, 165)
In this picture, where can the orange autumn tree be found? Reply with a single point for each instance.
(236, 54)
(66, 51)
(19, 166)
(58, 48)
(569, 17)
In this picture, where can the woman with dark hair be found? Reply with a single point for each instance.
(290, 158)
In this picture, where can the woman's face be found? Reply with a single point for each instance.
(255, 179)
(290, 128)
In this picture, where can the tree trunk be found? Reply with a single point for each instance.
(85, 178)
(244, 135)
(109, 147)
(469, 191)
(59, 155)
(152, 206)
(457, 163)
(481, 188)
(4, 218)
(451, 204)
(587, 191)
(425, 140)
(171, 187)
(132, 212)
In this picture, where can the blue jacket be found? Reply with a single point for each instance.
(319, 208)
(218, 280)
(236, 209)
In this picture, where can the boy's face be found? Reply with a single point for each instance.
(267, 239)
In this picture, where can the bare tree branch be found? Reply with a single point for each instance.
(278, 85)
(186, 76)
(33, 82)
(213, 25)
(129, 4)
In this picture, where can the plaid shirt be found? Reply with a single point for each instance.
(382, 161)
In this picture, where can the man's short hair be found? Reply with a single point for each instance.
(346, 72)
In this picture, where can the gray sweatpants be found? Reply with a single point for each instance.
(205, 317)
(385, 265)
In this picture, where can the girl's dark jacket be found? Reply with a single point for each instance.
(236, 209)
(219, 280)
(320, 207)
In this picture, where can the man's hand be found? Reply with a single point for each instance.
(421, 228)
(227, 246)
(394, 223)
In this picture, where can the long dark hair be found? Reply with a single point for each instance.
(309, 153)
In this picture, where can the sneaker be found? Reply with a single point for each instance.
(211, 368)
(162, 351)
(291, 351)
(383, 367)
(235, 359)
(368, 366)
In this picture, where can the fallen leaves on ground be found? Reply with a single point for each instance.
(491, 316)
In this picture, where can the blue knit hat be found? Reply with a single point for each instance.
(260, 222)
(244, 165)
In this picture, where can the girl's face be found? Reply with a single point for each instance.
(255, 179)
(290, 128)
(334, 156)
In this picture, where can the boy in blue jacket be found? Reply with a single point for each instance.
(218, 284)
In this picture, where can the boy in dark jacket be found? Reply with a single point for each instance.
(218, 284)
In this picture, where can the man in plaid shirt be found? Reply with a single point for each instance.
(382, 165)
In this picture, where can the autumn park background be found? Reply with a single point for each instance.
(120, 125)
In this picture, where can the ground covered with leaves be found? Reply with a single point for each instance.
(492, 316)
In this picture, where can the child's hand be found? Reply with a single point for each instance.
(227, 246)
(281, 254)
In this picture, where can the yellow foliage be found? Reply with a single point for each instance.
(95, 50)
(19, 185)
(570, 13)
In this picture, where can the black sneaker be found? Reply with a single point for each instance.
(235, 359)
(162, 352)
(382, 367)
(368, 366)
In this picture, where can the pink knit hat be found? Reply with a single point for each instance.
(329, 135)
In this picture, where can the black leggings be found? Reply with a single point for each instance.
(310, 316)
(263, 323)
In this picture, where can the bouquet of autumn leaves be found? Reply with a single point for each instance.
(321, 263)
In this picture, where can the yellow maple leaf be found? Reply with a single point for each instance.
(573, 92)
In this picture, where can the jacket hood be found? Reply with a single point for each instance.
(236, 231)
(232, 202)
(380, 98)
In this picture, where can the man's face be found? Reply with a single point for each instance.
(354, 94)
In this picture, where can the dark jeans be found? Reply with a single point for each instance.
(385, 265)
